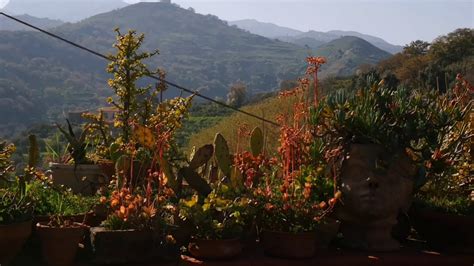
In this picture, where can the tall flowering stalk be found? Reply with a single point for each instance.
(314, 64)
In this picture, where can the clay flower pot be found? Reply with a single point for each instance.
(444, 231)
(289, 245)
(121, 246)
(215, 248)
(59, 244)
(12, 238)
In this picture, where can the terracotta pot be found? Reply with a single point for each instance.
(376, 186)
(289, 245)
(121, 246)
(59, 245)
(83, 179)
(215, 249)
(12, 238)
(443, 230)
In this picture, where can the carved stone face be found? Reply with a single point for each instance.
(375, 185)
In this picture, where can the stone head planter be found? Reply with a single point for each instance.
(376, 186)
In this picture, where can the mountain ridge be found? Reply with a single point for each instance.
(44, 23)
(346, 54)
(312, 38)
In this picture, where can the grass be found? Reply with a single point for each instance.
(228, 126)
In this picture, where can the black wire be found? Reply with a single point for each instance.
(148, 75)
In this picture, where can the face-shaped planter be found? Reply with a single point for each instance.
(376, 185)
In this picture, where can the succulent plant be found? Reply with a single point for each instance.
(77, 145)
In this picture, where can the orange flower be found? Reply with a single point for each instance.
(123, 209)
(103, 200)
(322, 205)
(114, 203)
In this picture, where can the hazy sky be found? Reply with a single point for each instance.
(397, 21)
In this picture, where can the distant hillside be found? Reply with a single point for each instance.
(198, 51)
(65, 10)
(45, 23)
(379, 42)
(41, 78)
(346, 54)
(268, 30)
(312, 38)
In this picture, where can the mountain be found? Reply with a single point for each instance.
(44, 23)
(42, 79)
(379, 42)
(65, 10)
(312, 38)
(268, 30)
(346, 54)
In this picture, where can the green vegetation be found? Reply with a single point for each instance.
(346, 54)
(57, 201)
(435, 65)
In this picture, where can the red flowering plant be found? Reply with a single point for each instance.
(300, 188)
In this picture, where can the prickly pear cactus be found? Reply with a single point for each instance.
(195, 181)
(173, 182)
(256, 141)
(221, 152)
(201, 156)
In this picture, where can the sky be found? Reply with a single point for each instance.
(396, 21)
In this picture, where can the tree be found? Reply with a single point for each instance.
(416, 48)
(453, 47)
(237, 95)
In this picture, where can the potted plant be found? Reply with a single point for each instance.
(82, 176)
(291, 213)
(60, 238)
(145, 127)
(390, 141)
(16, 208)
(443, 210)
(298, 191)
(128, 233)
(56, 201)
(218, 222)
